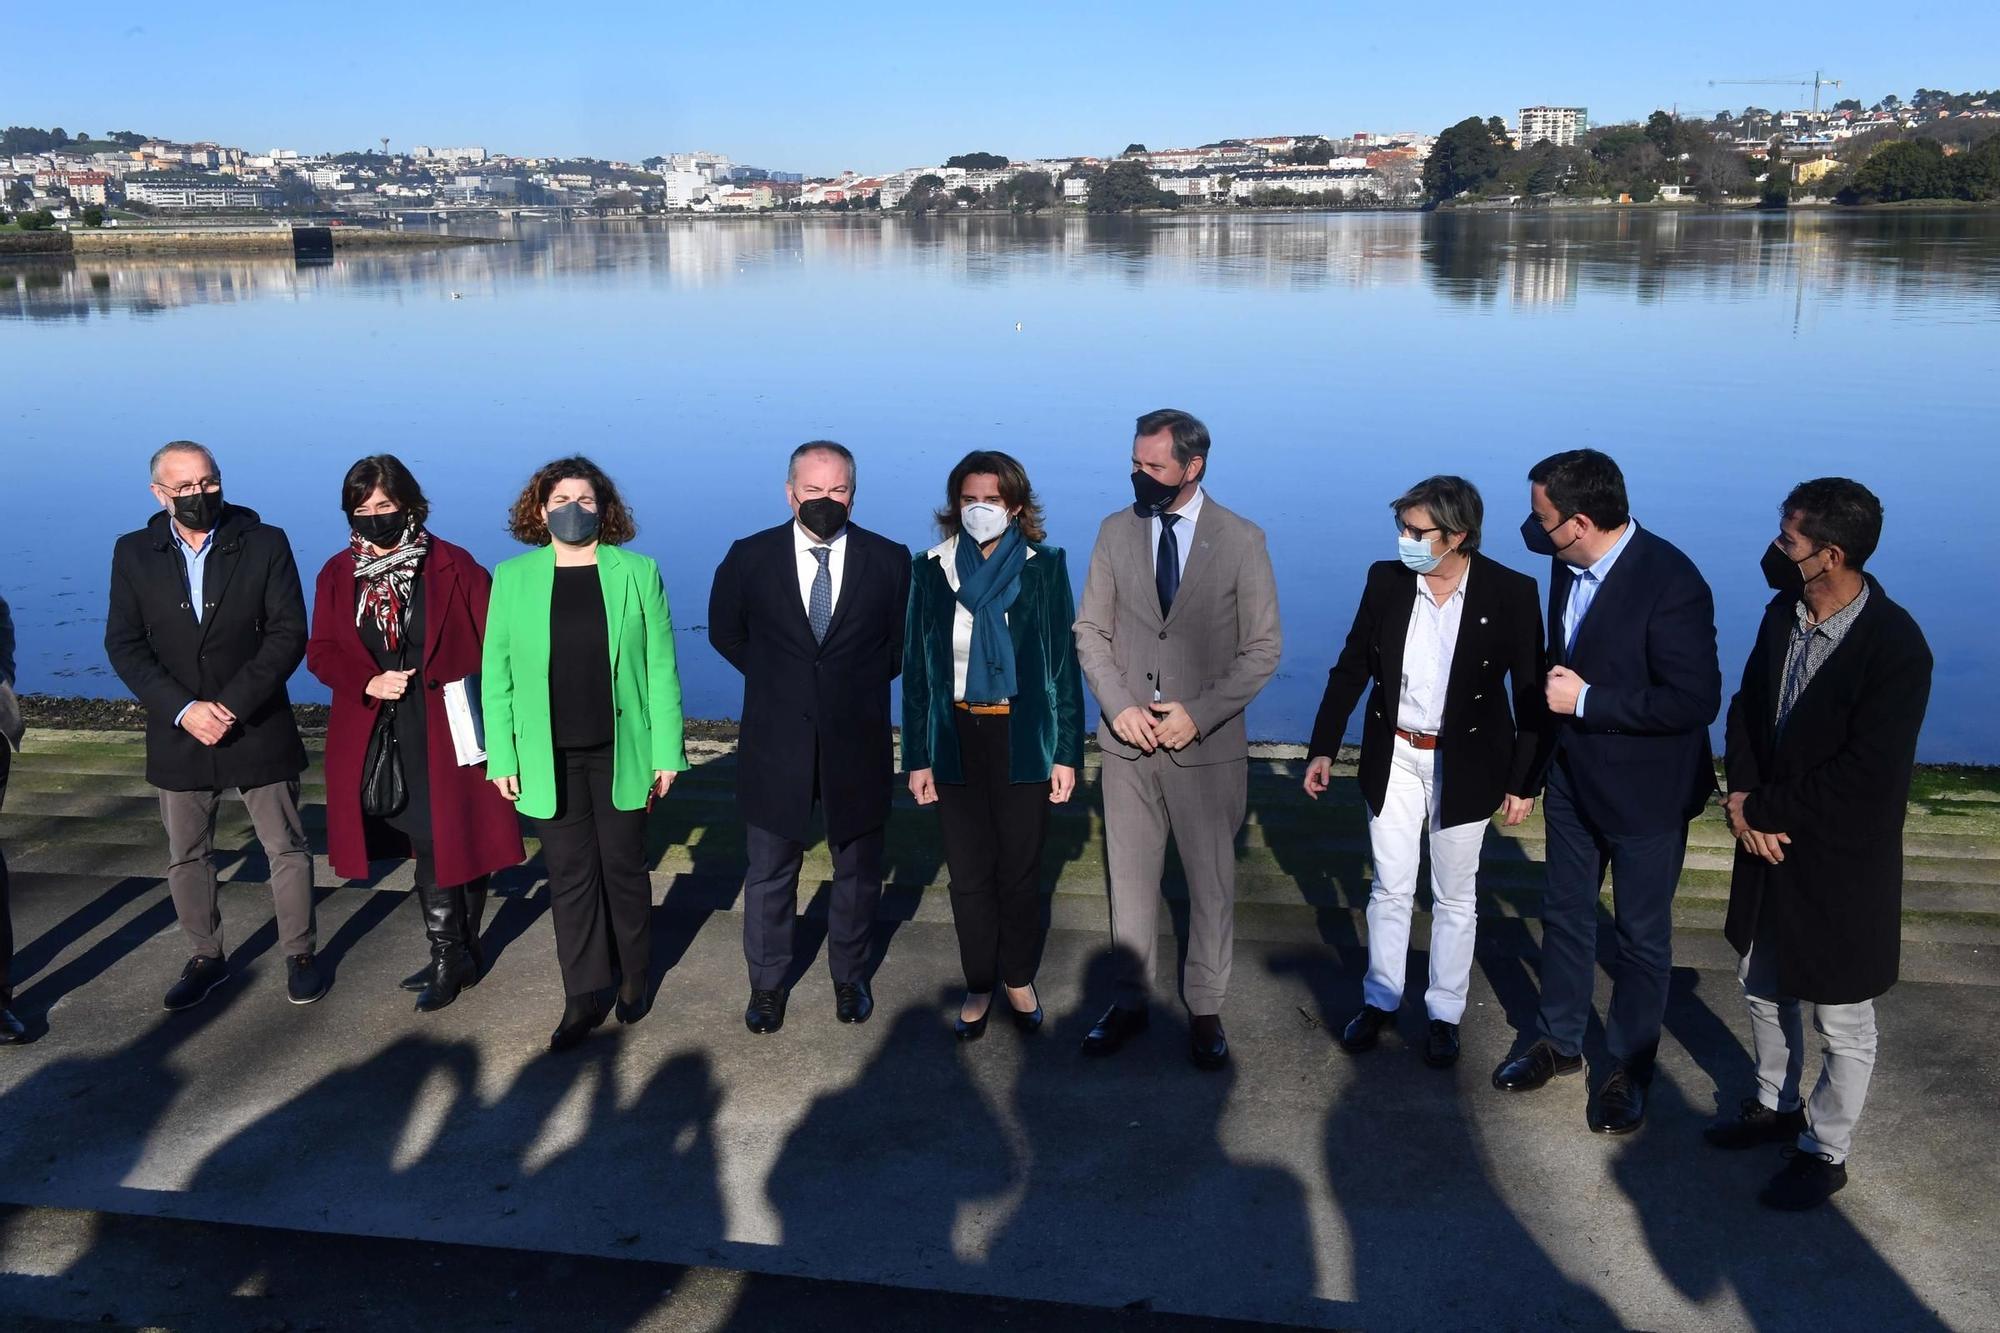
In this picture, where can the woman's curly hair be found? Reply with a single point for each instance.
(615, 524)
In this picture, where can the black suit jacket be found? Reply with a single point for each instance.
(249, 640)
(1837, 781)
(1639, 759)
(815, 715)
(1485, 750)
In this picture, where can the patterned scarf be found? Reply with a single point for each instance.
(386, 581)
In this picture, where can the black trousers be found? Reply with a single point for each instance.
(599, 892)
(6, 908)
(771, 905)
(994, 830)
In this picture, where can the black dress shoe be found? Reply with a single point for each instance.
(1620, 1105)
(1365, 1028)
(1118, 1026)
(1756, 1125)
(1808, 1180)
(766, 1013)
(851, 1001)
(198, 978)
(631, 1010)
(1534, 1067)
(304, 982)
(13, 1032)
(582, 1015)
(1207, 1046)
(1441, 1044)
(1027, 1020)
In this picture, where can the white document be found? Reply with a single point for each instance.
(468, 729)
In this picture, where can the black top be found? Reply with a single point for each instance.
(412, 739)
(579, 660)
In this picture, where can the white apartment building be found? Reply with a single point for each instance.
(681, 187)
(1307, 180)
(423, 152)
(193, 192)
(1559, 125)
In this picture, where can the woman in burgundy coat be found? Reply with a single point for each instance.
(398, 616)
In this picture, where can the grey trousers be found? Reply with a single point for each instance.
(274, 813)
(1146, 801)
(1777, 1031)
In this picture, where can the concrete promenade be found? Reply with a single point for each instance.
(353, 1164)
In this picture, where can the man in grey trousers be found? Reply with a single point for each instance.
(1177, 633)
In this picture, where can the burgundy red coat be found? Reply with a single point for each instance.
(473, 828)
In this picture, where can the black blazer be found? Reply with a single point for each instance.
(1838, 782)
(815, 716)
(249, 640)
(1639, 760)
(1485, 750)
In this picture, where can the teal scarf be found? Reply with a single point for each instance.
(987, 587)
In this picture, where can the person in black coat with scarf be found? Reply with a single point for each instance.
(206, 624)
(1822, 738)
(811, 612)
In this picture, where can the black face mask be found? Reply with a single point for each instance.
(199, 512)
(822, 516)
(1538, 539)
(1150, 495)
(379, 530)
(1783, 573)
(572, 523)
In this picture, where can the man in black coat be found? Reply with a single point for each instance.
(207, 623)
(1633, 687)
(12, 1030)
(1822, 737)
(812, 612)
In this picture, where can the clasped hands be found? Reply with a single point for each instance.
(1769, 846)
(207, 722)
(1161, 726)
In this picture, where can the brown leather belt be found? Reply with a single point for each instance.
(984, 710)
(1419, 740)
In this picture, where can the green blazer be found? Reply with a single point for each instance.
(645, 687)
(1046, 725)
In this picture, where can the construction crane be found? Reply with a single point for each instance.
(1815, 83)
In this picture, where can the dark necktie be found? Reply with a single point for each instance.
(1167, 567)
(819, 607)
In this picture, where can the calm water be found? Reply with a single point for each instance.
(1336, 359)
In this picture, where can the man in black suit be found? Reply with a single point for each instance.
(811, 612)
(12, 1030)
(1822, 740)
(1633, 686)
(206, 624)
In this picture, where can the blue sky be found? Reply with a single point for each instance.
(822, 86)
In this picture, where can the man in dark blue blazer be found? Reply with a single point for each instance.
(1633, 684)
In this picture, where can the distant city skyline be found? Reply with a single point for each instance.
(888, 85)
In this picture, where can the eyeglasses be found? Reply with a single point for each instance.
(1417, 534)
(207, 485)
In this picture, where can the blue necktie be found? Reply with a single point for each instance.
(1167, 567)
(819, 607)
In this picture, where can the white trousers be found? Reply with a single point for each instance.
(1396, 838)
(1777, 1032)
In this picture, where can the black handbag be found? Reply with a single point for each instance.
(384, 793)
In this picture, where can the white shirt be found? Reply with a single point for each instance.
(946, 554)
(803, 543)
(1188, 515)
(1428, 646)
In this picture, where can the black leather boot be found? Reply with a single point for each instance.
(475, 918)
(451, 966)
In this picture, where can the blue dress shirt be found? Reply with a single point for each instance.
(1583, 591)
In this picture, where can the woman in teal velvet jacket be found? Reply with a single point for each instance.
(992, 720)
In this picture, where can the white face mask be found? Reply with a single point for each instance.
(982, 522)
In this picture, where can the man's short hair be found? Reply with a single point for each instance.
(182, 447)
(1584, 481)
(1190, 436)
(840, 451)
(1837, 511)
(1454, 506)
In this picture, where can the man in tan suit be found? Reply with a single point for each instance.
(1177, 633)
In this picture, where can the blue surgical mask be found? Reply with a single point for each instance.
(1417, 554)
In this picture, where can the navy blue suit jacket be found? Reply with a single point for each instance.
(1639, 759)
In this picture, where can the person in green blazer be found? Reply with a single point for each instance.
(582, 708)
(992, 719)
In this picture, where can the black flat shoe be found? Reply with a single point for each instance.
(1028, 1021)
(766, 1013)
(972, 1029)
(1110, 1033)
(582, 1015)
(198, 978)
(1534, 1067)
(1207, 1046)
(1620, 1105)
(1754, 1126)
(851, 1002)
(1441, 1045)
(1365, 1029)
(631, 1011)
(13, 1032)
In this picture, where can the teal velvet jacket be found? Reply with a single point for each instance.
(1046, 725)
